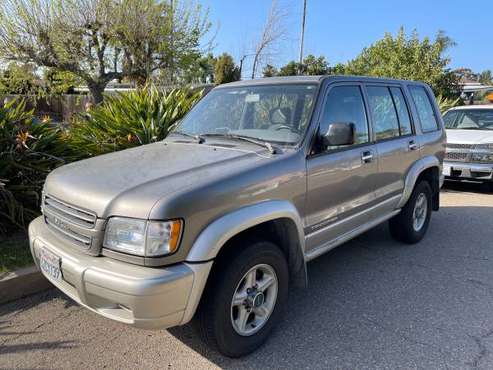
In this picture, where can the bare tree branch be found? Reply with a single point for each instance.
(273, 32)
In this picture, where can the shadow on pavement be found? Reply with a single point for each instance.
(462, 186)
(29, 302)
(14, 348)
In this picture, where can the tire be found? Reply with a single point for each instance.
(403, 227)
(217, 315)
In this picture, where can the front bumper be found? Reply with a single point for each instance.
(468, 171)
(144, 297)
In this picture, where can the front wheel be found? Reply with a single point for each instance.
(411, 224)
(245, 299)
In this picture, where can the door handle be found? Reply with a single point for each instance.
(366, 157)
(413, 145)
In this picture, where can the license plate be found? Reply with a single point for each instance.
(50, 265)
(446, 171)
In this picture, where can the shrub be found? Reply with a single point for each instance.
(446, 103)
(129, 119)
(28, 152)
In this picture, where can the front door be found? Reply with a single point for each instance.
(340, 180)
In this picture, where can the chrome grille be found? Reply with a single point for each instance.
(460, 146)
(72, 223)
(70, 213)
(483, 146)
(456, 156)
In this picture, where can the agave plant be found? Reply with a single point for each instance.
(446, 103)
(28, 152)
(129, 119)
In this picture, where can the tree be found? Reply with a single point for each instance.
(338, 69)
(102, 40)
(57, 82)
(272, 33)
(290, 69)
(313, 66)
(485, 77)
(270, 71)
(202, 71)
(408, 58)
(19, 79)
(226, 70)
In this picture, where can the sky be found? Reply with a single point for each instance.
(339, 30)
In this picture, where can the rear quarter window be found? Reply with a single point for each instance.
(424, 107)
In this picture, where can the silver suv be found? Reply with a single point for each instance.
(469, 154)
(217, 221)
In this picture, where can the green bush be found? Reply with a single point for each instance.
(129, 119)
(446, 103)
(28, 152)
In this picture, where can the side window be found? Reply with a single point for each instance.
(402, 111)
(384, 115)
(345, 104)
(425, 109)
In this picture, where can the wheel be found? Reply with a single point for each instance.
(244, 300)
(410, 225)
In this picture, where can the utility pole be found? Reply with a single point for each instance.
(302, 38)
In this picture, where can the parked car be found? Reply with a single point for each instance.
(219, 220)
(469, 153)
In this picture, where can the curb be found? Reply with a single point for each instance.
(21, 283)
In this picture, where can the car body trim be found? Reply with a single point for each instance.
(352, 217)
(331, 244)
(416, 169)
(212, 239)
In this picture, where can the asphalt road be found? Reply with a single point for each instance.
(372, 304)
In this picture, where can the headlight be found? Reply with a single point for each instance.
(482, 157)
(141, 237)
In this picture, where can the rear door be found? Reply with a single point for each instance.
(396, 142)
(340, 180)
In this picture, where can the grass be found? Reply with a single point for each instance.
(14, 252)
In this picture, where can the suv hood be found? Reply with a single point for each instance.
(469, 136)
(129, 182)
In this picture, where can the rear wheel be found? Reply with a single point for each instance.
(245, 299)
(411, 224)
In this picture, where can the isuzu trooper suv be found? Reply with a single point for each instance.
(217, 221)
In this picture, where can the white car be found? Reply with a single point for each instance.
(469, 153)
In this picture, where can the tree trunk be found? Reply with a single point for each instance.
(96, 90)
(254, 66)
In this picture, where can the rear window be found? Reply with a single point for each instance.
(424, 107)
(469, 119)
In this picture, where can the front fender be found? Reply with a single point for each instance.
(210, 241)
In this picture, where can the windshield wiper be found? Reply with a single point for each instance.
(198, 138)
(252, 140)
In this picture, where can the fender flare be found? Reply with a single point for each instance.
(412, 175)
(210, 241)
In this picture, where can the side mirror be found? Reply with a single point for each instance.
(339, 133)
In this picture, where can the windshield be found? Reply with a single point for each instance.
(469, 119)
(272, 113)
